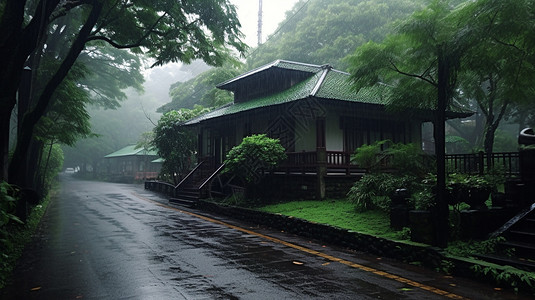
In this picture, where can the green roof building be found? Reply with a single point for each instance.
(316, 114)
(130, 164)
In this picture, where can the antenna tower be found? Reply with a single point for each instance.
(259, 22)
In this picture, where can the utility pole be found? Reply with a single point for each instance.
(259, 22)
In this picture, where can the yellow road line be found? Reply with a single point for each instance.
(320, 254)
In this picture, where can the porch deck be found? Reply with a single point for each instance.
(337, 163)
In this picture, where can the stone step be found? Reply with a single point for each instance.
(523, 264)
(192, 196)
(521, 236)
(182, 202)
(522, 249)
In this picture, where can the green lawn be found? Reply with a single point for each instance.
(340, 213)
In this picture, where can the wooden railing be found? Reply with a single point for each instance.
(479, 163)
(334, 158)
(337, 162)
(161, 187)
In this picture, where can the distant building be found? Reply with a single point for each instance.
(130, 164)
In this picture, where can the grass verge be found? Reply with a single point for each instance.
(340, 213)
(19, 236)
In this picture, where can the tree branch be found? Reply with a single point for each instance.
(133, 45)
(412, 75)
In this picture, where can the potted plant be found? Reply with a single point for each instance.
(456, 188)
(474, 190)
(480, 189)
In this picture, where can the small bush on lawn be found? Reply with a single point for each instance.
(373, 191)
(408, 165)
(256, 153)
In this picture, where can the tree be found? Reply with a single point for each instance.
(325, 31)
(175, 143)
(499, 70)
(166, 31)
(256, 153)
(420, 63)
(201, 90)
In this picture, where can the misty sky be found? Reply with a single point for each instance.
(273, 13)
(159, 79)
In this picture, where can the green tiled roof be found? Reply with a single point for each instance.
(296, 92)
(130, 151)
(282, 64)
(323, 83)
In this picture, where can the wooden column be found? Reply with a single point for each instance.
(321, 171)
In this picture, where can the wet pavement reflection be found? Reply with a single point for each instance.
(116, 241)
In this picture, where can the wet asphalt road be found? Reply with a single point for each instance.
(113, 241)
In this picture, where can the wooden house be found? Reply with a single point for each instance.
(316, 114)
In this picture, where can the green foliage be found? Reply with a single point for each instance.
(456, 144)
(176, 144)
(470, 248)
(404, 158)
(323, 31)
(407, 60)
(16, 237)
(467, 181)
(67, 119)
(487, 61)
(369, 157)
(51, 165)
(256, 153)
(505, 142)
(373, 190)
(507, 276)
(165, 31)
(201, 90)
(423, 199)
(340, 213)
(8, 202)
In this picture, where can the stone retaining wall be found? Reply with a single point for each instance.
(428, 256)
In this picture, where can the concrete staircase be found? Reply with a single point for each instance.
(519, 233)
(193, 187)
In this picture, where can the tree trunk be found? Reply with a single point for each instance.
(16, 44)
(442, 210)
(30, 119)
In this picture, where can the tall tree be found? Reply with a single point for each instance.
(420, 63)
(175, 143)
(325, 31)
(499, 70)
(164, 30)
(315, 31)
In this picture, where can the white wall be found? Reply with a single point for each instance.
(334, 135)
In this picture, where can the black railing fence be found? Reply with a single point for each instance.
(480, 163)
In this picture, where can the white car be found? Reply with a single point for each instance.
(69, 170)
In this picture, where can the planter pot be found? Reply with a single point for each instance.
(498, 199)
(422, 224)
(456, 194)
(477, 198)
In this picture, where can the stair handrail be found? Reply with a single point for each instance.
(189, 174)
(212, 176)
(513, 221)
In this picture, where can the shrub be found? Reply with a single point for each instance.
(404, 158)
(8, 202)
(369, 156)
(373, 191)
(256, 153)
